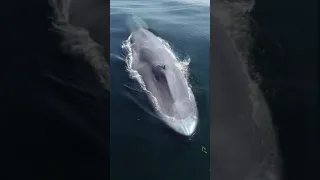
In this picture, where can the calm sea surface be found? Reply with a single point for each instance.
(142, 149)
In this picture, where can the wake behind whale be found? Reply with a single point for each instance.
(162, 77)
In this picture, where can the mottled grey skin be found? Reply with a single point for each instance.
(161, 76)
(238, 146)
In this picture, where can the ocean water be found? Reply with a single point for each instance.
(286, 56)
(139, 146)
(277, 41)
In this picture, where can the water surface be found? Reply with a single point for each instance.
(140, 148)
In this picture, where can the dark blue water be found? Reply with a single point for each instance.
(139, 147)
(288, 34)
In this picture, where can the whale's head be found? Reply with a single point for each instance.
(175, 101)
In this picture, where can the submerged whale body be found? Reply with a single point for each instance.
(165, 84)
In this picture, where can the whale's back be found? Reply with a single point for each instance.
(166, 85)
(148, 48)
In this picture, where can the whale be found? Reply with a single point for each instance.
(242, 140)
(165, 84)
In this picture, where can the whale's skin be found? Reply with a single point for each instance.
(156, 65)
(241, 136)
